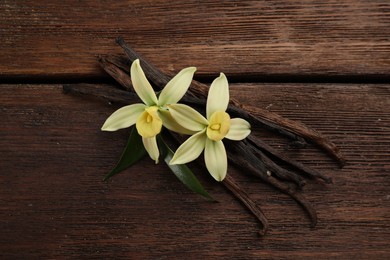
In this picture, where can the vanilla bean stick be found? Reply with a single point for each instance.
(278, 171)
(307, 206)
(299, 129)
(301, 168)
(155, 75)
(118, 74)
(239, 193)
(242, 157)
(260, 122)
(273, 168)
(121, 61)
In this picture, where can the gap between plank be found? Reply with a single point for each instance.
(106, 79)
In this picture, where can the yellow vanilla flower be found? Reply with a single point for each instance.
(209, 131)
(150, 116)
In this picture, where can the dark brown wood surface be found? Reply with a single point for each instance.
(269, 40)
(54, 203)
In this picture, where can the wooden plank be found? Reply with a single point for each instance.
(53, 203)
(269, 40)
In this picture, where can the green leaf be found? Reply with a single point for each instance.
(183, 173)
(133, 152)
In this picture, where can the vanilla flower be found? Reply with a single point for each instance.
(150, 116)
(210, 131)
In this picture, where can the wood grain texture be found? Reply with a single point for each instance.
(53, 203)
(260, 39)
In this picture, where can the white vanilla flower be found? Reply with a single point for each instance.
(209, 131)
(150, 116)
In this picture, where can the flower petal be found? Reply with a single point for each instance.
(239, 129)
(151, 147)
(141, 85)
(190, 149)
(188, 117)
(218, 97)
(215, 159)
(176, 87)
(123, 117)
(171, 123)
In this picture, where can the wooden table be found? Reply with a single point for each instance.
(324, 63)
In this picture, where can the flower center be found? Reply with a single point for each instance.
(149, 123)
(219, 125)
(215, 126)
(149, 118)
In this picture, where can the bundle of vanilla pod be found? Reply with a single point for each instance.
(179, 118)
